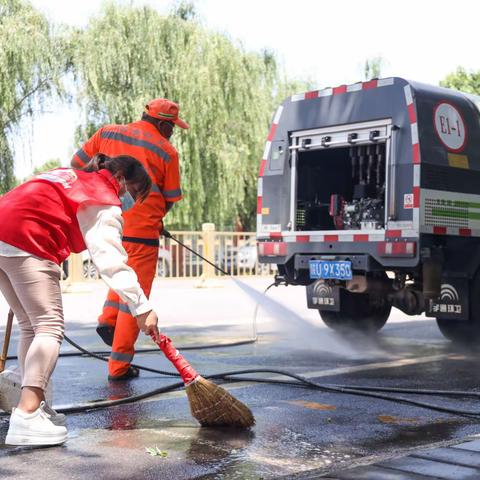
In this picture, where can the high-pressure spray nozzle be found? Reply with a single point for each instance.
(280, 280)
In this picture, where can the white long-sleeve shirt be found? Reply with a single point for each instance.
(101, 227)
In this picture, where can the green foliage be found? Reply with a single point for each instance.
(184, 10)
(32, 60)
(128, 56)
(7, 178)
(48, 165)
(373, 67)
(468, 82)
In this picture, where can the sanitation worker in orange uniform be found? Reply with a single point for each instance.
(148, 141)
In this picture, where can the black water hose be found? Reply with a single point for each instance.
(101, 353)
(301, 382)
(365, 391)
(167, 234)
(360, 390)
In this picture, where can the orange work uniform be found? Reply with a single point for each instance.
(143, 222)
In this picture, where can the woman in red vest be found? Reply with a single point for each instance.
(41, 222)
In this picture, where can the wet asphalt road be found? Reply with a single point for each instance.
(297, 429)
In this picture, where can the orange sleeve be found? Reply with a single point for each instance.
(87, 151)
(171, 186)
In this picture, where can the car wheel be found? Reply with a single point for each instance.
(163, 269)
(89, 270)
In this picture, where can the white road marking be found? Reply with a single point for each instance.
(378, 365)
(324, 373)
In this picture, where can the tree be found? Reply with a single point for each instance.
(373, 67)
(468, 82)
(48, 165)
(127, 56)
(32, 61)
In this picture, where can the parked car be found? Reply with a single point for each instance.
(246, 257)
(243, 259)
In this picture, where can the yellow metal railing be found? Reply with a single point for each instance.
(233, 252)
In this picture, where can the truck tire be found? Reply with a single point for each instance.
(357, 313)
(465, 331)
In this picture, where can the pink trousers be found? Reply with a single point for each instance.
(31, 287)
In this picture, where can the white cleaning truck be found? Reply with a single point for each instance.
(369, 195)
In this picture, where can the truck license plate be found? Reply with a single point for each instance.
(338, 270)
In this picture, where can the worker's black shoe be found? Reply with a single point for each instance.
(106, 333)
(132, 372)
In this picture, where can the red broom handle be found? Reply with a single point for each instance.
(186, 371)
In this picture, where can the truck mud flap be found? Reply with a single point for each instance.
(321, 296)
(453, 301)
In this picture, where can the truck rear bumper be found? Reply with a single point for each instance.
(365, 256)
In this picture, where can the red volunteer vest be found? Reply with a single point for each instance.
(40, 216)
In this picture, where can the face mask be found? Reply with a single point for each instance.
(127, 200)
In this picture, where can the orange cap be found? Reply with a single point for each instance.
(164, 109)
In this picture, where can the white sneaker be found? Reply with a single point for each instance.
(56, 418)
(34, 429)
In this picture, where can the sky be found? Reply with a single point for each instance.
(326, 42)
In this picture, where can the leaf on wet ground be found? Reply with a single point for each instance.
(156, 452)
(312, 405)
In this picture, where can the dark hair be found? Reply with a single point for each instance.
(130, 168)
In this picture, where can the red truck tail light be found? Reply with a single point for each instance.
(397, 249)
(272, 249)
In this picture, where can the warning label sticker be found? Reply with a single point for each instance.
(408, 200)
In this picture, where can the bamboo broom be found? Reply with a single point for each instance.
(6, 341)
(210, 404)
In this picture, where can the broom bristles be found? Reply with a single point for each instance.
(213, 406)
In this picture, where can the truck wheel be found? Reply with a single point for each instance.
(465, 331)
(458, 333)
(357, 313)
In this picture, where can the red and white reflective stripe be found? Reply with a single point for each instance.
(397, 249)
(263, 164)
(260, 187)
(439, 230)
(271, 135)
(278, 247)
(354, 87)
(344, 236)
(412, 116)
(334, 237)
(259, 203)
(272, 249)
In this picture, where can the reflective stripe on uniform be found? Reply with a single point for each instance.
(119, 306)
(82, 155)
(156, 189)
(136, 142)
(121, 357)
(172, 193)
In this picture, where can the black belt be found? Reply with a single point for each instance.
(152, 242)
